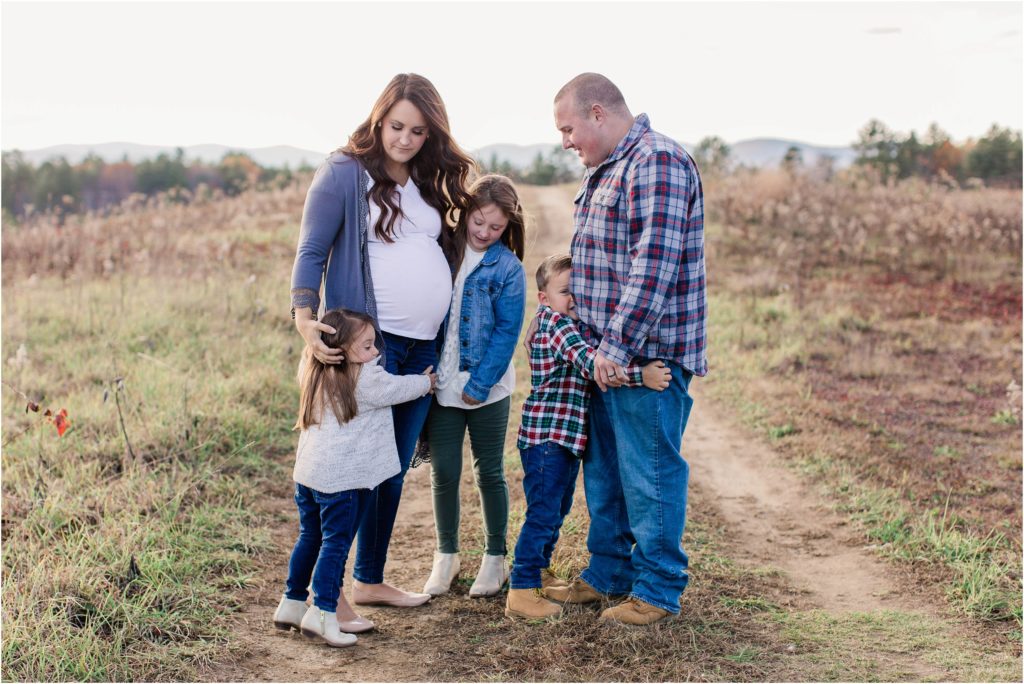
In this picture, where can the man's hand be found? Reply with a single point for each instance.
(607, 373)
(657, 376)
(310, 329)
(469, 400)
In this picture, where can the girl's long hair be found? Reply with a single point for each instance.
(440, 169)
(331, 384)
(488, 189)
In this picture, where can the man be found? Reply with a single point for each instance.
(638, 280)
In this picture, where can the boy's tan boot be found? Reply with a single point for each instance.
(528, 603)
(633, 611)
(578, 591)
(549, 579)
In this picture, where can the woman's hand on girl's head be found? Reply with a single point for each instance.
(310, 329)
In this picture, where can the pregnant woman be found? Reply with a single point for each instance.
(369, 235)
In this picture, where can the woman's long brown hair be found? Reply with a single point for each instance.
(440, 169)
(331, 384)
(489, 189)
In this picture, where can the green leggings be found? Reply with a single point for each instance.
(447, 429)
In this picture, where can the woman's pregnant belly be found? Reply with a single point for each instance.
(412, 285)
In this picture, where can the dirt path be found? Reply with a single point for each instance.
(782, 522)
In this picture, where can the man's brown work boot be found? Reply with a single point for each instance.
(549, 579)
(528, 603)
(578, 591)
(633, 611)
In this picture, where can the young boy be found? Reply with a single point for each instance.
(554, 433)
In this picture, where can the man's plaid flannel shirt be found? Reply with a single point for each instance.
(561, 369)
(638, 253)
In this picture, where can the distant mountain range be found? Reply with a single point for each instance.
(757, 152)
(276, 156)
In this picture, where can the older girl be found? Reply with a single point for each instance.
(370, 230)
(476, 378)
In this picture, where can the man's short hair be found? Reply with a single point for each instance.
(550, 267)
(589, 89)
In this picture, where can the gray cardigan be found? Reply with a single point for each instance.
(333, 235)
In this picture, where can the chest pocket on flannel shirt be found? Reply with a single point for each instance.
(605, 209)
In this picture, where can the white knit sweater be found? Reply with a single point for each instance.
(361, 453)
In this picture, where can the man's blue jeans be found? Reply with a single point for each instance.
(635, 479)
(549, 481)
(403, 356)
(327, 525)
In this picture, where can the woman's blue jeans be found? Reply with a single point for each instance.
(327, 524)
(635, 479)
(549, 481)
(402, 356)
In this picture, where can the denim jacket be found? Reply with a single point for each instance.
(493, 303)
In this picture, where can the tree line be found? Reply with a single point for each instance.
(556, 166)
(94, 184)
(993, 159)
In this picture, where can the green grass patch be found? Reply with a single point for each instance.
(127, 539)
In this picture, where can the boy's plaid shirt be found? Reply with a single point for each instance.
(561, 370)
(638, 253)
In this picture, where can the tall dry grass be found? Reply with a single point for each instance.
(909, 228)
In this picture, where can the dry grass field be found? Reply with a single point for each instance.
(149, 541)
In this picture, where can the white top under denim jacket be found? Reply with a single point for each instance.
(361, 453)
(450, 380)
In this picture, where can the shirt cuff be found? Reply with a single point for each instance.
(635, 373)
(620, 354)
(303, 298)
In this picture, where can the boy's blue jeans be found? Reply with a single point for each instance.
(549, 482)
(636, 479)
(403, 356)
(327, 525)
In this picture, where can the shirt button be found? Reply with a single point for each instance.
(466, 318)
(465, 343)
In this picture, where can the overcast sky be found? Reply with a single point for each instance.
(256, 74)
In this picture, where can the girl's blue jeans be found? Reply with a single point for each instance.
(402, 356)
(549, 481)
(327, 525)
(636, 479)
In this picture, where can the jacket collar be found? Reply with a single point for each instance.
(493, 253)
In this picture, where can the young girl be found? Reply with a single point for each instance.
(476, 377)
(346, 448)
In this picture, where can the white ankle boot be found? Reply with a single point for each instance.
(446, 569)
(289, 613)
(323, 626)
(491, 578)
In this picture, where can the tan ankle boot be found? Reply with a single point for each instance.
(578, 591)
(549, 579)
(529, 604)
